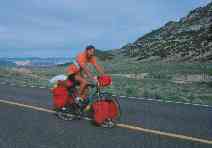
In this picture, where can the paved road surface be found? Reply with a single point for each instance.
(24, 128)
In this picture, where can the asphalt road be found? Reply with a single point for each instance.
(25, 128)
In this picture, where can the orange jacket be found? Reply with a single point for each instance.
(81, 60)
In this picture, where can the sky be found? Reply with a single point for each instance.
(62, 28)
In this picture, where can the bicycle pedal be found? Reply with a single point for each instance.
(87, 108)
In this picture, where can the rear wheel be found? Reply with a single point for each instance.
(65, 116)
(69, 113)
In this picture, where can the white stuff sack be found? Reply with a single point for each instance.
(58, 77)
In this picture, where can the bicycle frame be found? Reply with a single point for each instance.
(95, 91)
(76, 110)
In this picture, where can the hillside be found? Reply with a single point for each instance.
(189, 39)
(103, 55)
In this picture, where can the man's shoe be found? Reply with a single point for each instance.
(87, 108)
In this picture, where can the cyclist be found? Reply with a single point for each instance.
(78, 70)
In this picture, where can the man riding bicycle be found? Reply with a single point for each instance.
(78, 68)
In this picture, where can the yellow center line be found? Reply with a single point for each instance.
(131, 127)
(27, 106)
(172, 135)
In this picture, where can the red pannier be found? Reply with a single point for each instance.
(103, 110)
(61, 97)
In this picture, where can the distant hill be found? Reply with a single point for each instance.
(104, 55)
(63, 65)
(188, 39)
(6, 63)
(32, 61)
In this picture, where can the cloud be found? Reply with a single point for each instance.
(58, 25)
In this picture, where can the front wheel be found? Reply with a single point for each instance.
(106, 112)
(108, 123)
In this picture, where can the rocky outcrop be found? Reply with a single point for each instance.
(188, 39)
